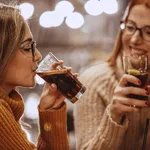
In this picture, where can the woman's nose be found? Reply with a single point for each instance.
(37, 56)
(136, 38)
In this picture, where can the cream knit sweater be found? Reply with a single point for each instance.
(94, 127)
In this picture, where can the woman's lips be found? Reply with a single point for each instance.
(137, 51)
(34, 73)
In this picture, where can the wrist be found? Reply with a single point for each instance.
(52, 107)
(44, 107)
(116, 117)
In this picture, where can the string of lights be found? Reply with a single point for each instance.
(64, 12)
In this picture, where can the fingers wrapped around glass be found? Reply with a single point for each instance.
(52, 70)
(137, 66)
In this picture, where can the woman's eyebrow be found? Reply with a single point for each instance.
(27, 40)
(131, 21)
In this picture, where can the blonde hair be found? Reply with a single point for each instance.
(118, 44)
(12, 30)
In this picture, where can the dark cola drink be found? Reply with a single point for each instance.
(66, 83)
(143, 78)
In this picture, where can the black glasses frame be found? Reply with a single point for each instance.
(33, 49)
(136, 28)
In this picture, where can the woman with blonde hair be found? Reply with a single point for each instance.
(18, 63)
(104, 117)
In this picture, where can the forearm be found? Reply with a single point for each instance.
(53, 129)
(109, 135)
(96, 129)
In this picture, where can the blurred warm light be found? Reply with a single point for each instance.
(46, 19)
(28, 136)
(51, 19)
(110, 9)
(31, 104)
(75, 20)
(39, 80)
(93, 7)
(27, 10)
(64, 8)
(96, 7)
(122, 26)
(57, 19)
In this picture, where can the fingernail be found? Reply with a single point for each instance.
(147, 103)
(147, 93)
(139, 82)
(52, 85)
(140, 107)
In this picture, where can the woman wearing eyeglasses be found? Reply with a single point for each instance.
(18, 63)
(104, 117)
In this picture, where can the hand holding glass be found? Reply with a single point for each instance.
(66, 82)
(138, 67)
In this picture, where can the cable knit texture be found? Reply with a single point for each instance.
(53, 132)
(95, 129)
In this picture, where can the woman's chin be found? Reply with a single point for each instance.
(30, 85)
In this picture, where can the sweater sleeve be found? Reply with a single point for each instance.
(53, 132)
(53, 129)
(94, 127)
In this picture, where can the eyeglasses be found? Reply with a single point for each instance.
(129, 28)
(29, 49)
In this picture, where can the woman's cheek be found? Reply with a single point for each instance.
(125, 42)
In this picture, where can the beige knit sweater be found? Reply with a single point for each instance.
(94, 127)
(53, 133)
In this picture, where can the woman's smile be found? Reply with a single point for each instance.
(137, 51)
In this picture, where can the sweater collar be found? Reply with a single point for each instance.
(15, 102)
